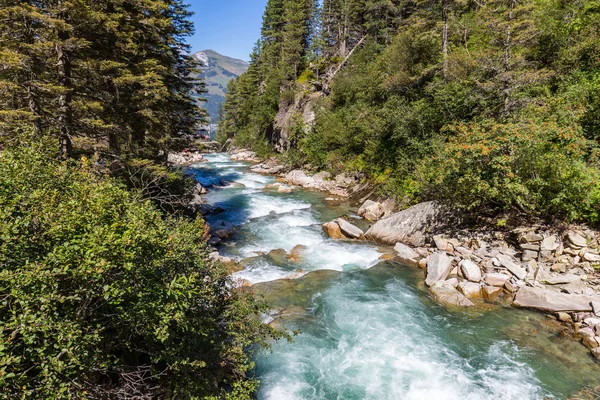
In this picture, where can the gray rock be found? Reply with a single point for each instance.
(222, 229)
(544, 299)
(470, 290)
(322, 176)
(513, 268)
(407, 226)
(591, 322)
(531, 237)
(445, 294)
(470, 270)
(590, 257)
(350, 230)
(596, 308)
(529, 246)
(564, 317)
(406, 255)
(439, 266)
(298, 177)
(491, 293)
(529, 255)
(496, 279)
(596, 353)
(442, 244)
(371, 210)
(549, 243)
(576, 239)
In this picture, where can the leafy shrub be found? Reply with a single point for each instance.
(531, 168)
(103, 297)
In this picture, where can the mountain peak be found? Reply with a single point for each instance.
(217, 71)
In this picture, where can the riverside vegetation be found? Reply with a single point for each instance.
(106, 288)
(487, 105)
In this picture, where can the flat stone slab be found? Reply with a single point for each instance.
(544, 299)
(513, 268)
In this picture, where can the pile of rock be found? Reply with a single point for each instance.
(185, 158)
(528, 267)
(374, 211)
(339, 185)
(244, 155)
(342, 229)
(270, 166)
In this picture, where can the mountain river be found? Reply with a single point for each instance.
(367, 329)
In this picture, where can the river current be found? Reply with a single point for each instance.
(367, 329)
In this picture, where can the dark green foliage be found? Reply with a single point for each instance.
(104, 297)
(428, 67)
(113, 71)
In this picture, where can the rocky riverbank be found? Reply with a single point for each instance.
(536, 267)
(554, 271)
(185, 158)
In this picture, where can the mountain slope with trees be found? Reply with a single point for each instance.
(217, 71)
(489, 105)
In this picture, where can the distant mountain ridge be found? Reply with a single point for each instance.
(217, 71)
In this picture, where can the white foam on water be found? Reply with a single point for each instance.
(262, 271)
(341, 256)
(262, 205)
(381, 345)
(254, 181)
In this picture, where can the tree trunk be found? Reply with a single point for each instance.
(445, 39)
(64, 80)
(507, 48)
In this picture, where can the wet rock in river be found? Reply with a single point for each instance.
(491, 293)
(470, 290)
(222, 229)
(350, 230)
(332, 229)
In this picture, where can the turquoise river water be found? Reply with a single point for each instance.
(367, 328)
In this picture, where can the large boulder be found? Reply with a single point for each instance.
(222, 229)
(298, 177)
(406, 255)
(350, 230)
(445, 293)
(439, 266)
(407, 226)
(548, 300)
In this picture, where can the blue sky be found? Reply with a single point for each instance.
(229, 27)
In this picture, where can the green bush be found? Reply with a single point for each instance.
(537, 169)
(101, 296)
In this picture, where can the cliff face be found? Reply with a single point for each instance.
(299, 114)
(217, 71)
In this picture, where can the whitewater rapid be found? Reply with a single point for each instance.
(368, 329)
